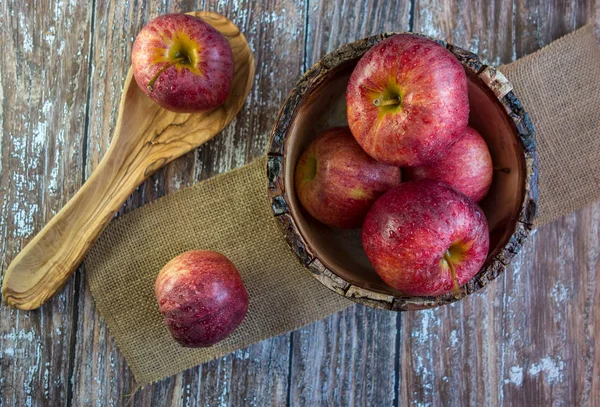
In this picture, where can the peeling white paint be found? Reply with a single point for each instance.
(23, 212)
(474, 46)
(426, 20)
(30, 376)
(177, 181)
(21, 335)
(23, 218)
(53, 182)
(188, 395)
(46, 381)
(453, 338)
(50, 36)
(243, 354)
(496, 61)
(552, 369)
(560, 294)
(39, 135)
(423, 337)
(57, 11)
(515, 376)
(24, 32)
(61, 47)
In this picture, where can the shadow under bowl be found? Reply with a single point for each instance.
(335, 257)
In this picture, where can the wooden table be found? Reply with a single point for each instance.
(532, 338)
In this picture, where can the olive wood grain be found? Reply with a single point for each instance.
(146, 138)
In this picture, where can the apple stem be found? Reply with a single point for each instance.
(387, 102)
(453, 274)
(502, 169)
(164, 68)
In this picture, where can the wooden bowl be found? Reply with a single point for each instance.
(335, 257)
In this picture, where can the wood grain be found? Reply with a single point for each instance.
(485, 28)
(146, 138)
(331, 24)
(528, 339)
(43, 100)
(348, 359)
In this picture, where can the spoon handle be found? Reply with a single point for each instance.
(48, 261)
(145, 139)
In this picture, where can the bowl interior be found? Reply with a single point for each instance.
(324, 106)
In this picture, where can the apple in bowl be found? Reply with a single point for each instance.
(466, 166)
(183, 64)
(424, 238)
(407, 100)
(337, 182)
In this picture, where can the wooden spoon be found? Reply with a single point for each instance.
(146, 138)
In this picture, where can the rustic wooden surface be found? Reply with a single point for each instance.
(530, 338)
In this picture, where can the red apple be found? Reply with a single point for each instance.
(337, 182)
(407, 101)
(425, 238)
(466, 166)
(183, 63)
(202, 297)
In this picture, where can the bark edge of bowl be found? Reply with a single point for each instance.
(499, 86)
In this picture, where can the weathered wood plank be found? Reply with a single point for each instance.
(43, 87)
(255, 375)
(555, 359)
(538, 23)
(100, 373)
(334, 23)
(483, 27)
(584, 329)
(516, 343)
(547, 346)
(349, 358)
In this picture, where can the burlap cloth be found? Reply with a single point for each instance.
(560, 88)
